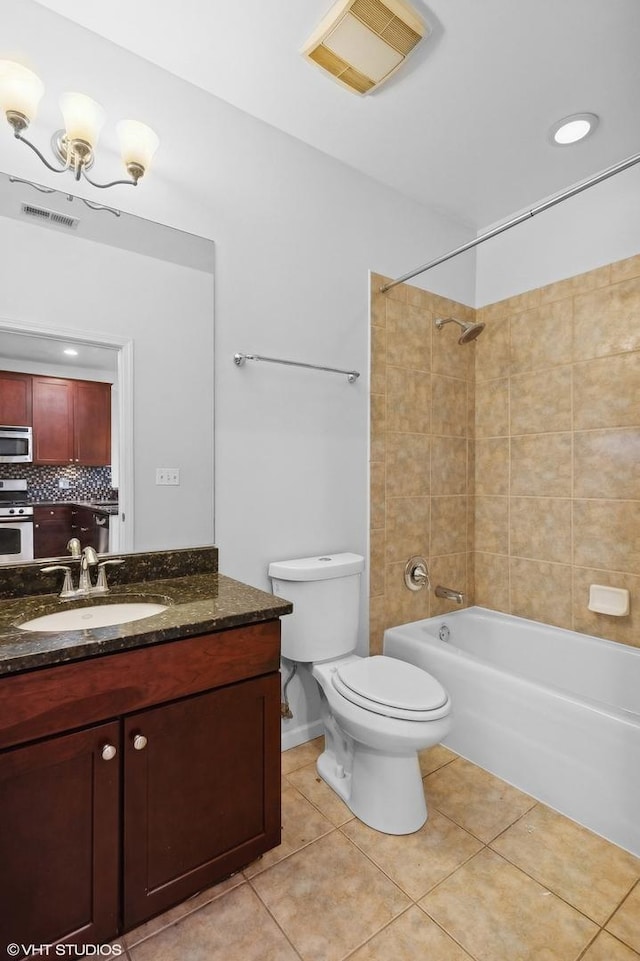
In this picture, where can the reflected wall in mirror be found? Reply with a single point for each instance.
(135, 299)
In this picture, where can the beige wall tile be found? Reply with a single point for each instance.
(378, 305)
(606, 535)
(376, 567)
(449, 524)
(408, 400)
(624, 269)
(450, 571)
(492, 524)
(449, 406)
(492, 408)
(542, 337)
(378, 426)
(606, 320)
(408, 337)
(541, 528)
(520, 302)
(377, 496)
(448, 465)
(541, 465)
(493, 351)
(448, 356)
(402, 605)
(492, 465)
(491, 578)
(624, 629)
(378, 360)
(377, 624)
(606, 392)
(407, 529)
(408, 463)
(606, 463)
(397, 293)
(579, 284)
(541, 591)
(541, 401)
(624, 923)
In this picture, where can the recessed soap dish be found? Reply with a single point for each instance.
(608, 600)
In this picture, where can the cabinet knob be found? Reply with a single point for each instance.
(108, 752)
(139, 742)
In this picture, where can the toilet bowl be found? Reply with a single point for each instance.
(376, 719)
(377, 712)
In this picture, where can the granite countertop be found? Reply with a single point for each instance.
(101, 507)
(198, 603)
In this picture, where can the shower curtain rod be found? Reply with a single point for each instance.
(545, 205)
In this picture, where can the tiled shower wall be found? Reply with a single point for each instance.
(421, 453)
(551, 417)
(558, 450)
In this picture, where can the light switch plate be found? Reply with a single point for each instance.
(167, 476)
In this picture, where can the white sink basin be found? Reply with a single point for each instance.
(99, 615)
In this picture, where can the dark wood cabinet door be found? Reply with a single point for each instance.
(51, 531)
(59, 848)
(15, 399)
(52, 420)
(92, 423)
(202, 796)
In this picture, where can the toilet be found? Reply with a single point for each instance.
(377, 712)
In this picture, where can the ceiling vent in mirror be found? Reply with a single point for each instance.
(361, 43)
(49, 216)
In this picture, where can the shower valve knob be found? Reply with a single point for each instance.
(416, 573)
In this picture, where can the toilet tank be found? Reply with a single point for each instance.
(325, 591)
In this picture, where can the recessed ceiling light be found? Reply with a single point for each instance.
(572, 129)
(70, 352)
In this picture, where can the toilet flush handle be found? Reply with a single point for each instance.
(416, 573)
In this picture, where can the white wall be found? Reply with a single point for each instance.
(296, 234)
(62, 281)
(597, 227)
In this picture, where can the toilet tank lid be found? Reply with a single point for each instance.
(318, 568)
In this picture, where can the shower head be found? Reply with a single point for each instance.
(469, 331)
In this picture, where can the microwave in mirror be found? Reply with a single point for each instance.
(16, 445)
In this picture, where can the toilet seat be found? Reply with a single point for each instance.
(393, 688)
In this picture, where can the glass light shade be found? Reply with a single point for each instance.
(83, 117)
(138, 143)
(20, 89)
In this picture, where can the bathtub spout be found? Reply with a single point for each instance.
(449, 594)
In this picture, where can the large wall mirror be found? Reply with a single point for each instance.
(134, 300)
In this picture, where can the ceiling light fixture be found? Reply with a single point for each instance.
(572, 129)
(20, 93)
(70, 352)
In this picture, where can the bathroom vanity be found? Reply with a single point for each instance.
(138, 763)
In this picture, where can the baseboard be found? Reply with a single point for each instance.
(299, 735)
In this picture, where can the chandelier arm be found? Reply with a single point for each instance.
(114, 183)
(55, 170)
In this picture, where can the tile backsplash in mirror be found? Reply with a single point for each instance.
(78, 483)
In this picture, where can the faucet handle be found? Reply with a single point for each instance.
(67, 585)
(74, 548)
(101, 583)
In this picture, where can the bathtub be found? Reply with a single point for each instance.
(553, 712)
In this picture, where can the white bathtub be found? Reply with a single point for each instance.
(553, 712)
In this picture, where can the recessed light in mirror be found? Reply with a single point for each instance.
(572, 129)
(70, 352)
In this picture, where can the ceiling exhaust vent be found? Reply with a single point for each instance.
(50, 216)
(361, 43)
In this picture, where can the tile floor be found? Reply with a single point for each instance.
(492, 876)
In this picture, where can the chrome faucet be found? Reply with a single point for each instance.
(85, 588)
(89, 559)
(450, 595)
